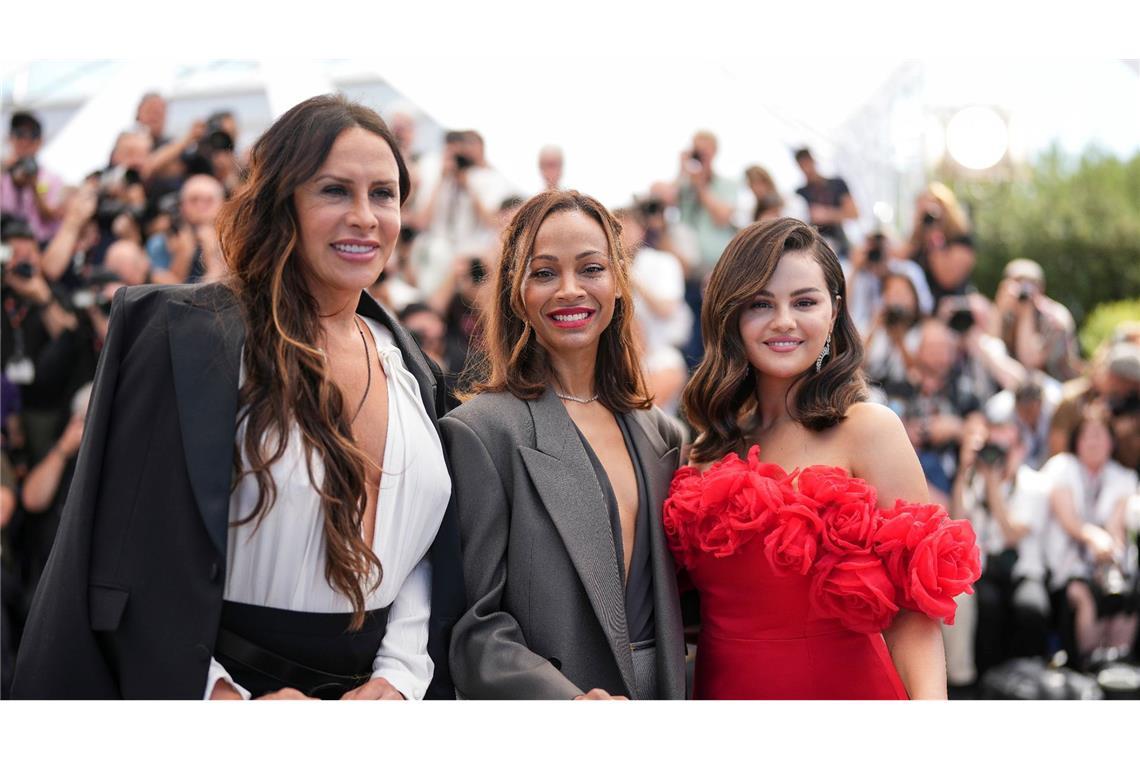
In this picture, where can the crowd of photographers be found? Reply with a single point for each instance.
(1015, 432)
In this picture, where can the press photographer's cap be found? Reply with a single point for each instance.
(24, 124)
(1124, 361)
(1024, 269)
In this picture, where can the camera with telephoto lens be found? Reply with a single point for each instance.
(111, 203)
(898, 316)
(651, 207)
(24, 169)
(91, 290)
(876, 247)
(993, 455)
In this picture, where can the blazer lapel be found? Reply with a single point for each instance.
(659, 462)
(564, 477)
(413, 356)
(205, 351)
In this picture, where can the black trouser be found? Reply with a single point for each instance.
(1013, 614)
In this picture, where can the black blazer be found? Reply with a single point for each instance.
(129, 603)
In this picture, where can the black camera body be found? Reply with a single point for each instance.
(898, 316)
(463, 162)
(24, 169)
(993, 455)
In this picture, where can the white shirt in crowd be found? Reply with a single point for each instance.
(1027, 503)
(280, 561)
(1095, 500)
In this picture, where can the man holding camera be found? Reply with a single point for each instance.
(1007, 503)
(1038, 331)
(460, 211)
(829, 202)
(707, 202)
(26, 188)
(48, 348)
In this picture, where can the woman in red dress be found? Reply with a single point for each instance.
(801, 520)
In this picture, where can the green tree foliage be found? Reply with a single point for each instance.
(1078, 218)
(1103, 321)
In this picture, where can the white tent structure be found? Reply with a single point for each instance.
(623, 122)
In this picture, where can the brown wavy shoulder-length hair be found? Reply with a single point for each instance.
(510, 356)
(287, 380)
(722, 392)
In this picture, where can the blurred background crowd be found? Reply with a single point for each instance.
(1020, 390)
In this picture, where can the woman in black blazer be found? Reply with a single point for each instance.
(222, 532)
(561, 465)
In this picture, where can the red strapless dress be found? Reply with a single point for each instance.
(800, 572)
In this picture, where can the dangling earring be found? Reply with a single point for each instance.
(826, 352)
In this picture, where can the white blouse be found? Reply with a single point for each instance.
(1095, 502)
(280, 562)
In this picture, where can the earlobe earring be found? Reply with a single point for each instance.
(826, 352)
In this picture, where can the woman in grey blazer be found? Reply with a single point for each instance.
(560, 465)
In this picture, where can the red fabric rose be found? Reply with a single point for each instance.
(944, 564)
(930, 557)
(791, 546)
(898, 533)
(856, 589)
(680, 511)
(726, 506)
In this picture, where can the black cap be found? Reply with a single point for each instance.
(24, 120)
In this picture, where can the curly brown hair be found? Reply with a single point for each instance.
(722, 391)
(510, 356)
(287, 379)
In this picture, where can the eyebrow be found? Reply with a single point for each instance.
(347, 181)
(795, 293)
(581, 255)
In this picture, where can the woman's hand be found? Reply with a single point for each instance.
(1099, 542)
(594, 694)
(286, 694)
(377, 688)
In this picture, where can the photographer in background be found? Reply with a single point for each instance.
(44, 492)
(27, 189)
(829, 202)
(893, 336)
(1007, 503)
(938, 218)
(459, 211)
(706, 200)
(935, 403)
(189, 247)
(1038, 331)
(1112, 378)
(867, 268)
(1093, 565)
(48, 345)
(769, 204)
(950, 269)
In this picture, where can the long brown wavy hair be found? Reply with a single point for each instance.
(287, 380)
(721, 395)
(510, 356)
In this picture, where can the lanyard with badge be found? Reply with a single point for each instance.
(20, 369)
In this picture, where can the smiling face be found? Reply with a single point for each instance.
(787, 323)
(349, 217)
(569, 290)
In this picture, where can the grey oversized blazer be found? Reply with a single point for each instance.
(546, 617)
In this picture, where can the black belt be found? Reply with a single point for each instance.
(309, 681)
